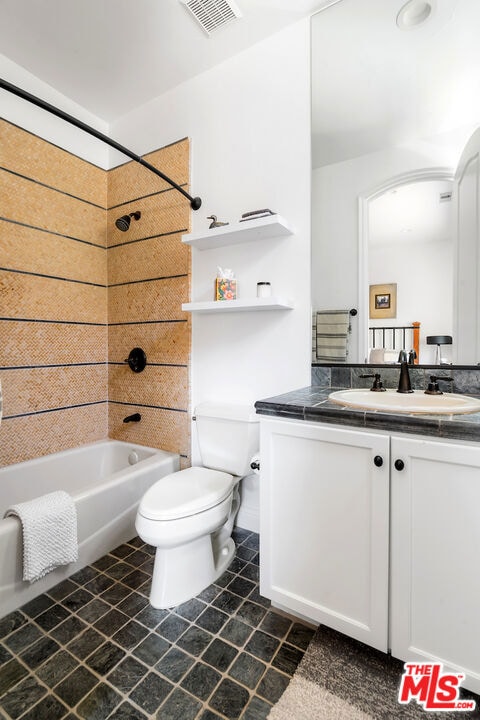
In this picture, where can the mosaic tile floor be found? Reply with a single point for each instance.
(93, 647)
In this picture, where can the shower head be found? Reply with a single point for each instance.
(123, 223)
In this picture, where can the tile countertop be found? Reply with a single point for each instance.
(312, 403)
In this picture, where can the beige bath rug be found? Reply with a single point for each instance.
(305, 700)
(342, 679)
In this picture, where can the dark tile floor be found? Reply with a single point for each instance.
(93, 647)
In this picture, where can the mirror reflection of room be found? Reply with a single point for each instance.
(393, 108)
(410, 245)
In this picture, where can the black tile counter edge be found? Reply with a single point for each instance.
(312, 404)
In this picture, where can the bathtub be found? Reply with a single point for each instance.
(106, 480)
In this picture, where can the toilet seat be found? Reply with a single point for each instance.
(185, 493)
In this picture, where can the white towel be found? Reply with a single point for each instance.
(49, 527)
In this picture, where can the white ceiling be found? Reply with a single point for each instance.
(111, 56)
(411, 213)
(375, 86)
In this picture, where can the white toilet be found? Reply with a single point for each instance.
(189, 515)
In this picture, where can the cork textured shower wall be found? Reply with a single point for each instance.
(60, 361)
(148, 280)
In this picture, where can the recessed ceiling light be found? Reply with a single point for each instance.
(414, 13)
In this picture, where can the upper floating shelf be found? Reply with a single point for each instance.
(216, 306)
(270, 226)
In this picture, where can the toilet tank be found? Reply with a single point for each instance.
(228, 436)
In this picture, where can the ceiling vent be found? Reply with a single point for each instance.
(212, 14)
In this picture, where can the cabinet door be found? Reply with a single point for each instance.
(324, 525)
(435, 549)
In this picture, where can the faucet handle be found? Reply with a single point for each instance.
(377, 383)
(433, 388)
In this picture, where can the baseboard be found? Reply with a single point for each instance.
(248, 519)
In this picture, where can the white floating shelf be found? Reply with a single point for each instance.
(270, 226)
(255, 304)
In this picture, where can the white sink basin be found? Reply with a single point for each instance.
(416, 402)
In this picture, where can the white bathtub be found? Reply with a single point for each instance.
(106, 488)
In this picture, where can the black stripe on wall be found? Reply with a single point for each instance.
(51, 187)
(53, 365)
(143, 197)
(153, 407)
(51, 410)
(148, 237)
(144, 322)
(151, 152)
(90, 404)
(55, 322)
(53, 277)
(52, 232)
(49, 142)
(152, 364)
(147, 280)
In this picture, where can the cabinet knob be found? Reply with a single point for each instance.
(378, 460)
(399, 464)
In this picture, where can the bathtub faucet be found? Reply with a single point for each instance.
(136, 417)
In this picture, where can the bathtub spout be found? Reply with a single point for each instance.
(136, 417)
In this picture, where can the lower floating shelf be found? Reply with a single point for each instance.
(254, 304)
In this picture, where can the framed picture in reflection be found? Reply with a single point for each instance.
(383, 301)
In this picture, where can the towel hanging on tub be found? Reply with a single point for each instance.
(49, 525)
(331, 329)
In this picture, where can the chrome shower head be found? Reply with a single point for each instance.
(123, 223)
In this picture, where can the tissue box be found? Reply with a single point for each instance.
(225, 289)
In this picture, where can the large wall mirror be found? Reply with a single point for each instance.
(395, 99)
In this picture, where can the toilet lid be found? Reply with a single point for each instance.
(185, 493)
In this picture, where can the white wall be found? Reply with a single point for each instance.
(45, 125)
(425, 269)
(335, 193)
(249, 123)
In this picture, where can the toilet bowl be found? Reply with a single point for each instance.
(177, 515)
(188, 516)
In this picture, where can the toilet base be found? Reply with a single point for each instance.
(180, 573)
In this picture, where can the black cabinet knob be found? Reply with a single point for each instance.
(399, 464)
(378, 460)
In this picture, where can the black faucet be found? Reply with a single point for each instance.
(136, 417)
(404, 385)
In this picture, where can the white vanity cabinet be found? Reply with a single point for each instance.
(324, 525)
(435, 554)
(387, 556)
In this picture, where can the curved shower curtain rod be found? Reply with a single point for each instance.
(195, 202)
